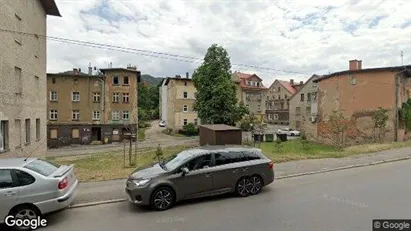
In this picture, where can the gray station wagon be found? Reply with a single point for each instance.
(31, 187)
(200, 172)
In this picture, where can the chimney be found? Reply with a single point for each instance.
(75, 71)
(292, 81)
(301, 82)
(90, 69)
(355, 65)
(187, 75)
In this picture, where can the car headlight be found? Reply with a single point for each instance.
(139, 183)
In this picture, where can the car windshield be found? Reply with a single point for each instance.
(43, 167)
(176, 160)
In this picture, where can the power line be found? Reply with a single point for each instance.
(180, 58)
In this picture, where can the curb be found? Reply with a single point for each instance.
(276, 178)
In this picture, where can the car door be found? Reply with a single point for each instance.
(198, 181)
(226, 171)
(28, 192)
(8, 193)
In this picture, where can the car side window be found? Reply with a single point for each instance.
(252, 155)
(6, 181)
(199, 162)
(237, 157)
(221, 159)
(24, 178)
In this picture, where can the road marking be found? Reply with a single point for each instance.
(345, 201)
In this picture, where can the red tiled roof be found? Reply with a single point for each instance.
(244, 76)
(287, 85)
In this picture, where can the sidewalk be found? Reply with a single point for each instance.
(112, 190)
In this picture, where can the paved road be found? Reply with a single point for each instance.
(343, 200)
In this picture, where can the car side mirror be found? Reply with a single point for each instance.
(185, 170)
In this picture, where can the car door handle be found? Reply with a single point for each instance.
(9, 194)
(208, 174)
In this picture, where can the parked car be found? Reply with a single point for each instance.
(162, 123)
(30, 187)
(288, 131)
(200, 172)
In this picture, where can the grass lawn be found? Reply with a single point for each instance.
(141, 133)
(294, 150)
(109, 166)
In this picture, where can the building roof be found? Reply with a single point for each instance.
(287, 85)
(379, 69)
(68, 74)
(220, 127)
(167, 80)
(50, 7)
(243, 77)
(118, 69)
(313, 77)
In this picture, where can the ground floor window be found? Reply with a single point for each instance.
(53, 133)
(4, 135)
(276, 116)
(75, 133)
(185, 122)
(195, 121)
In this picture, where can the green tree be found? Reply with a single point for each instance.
(216, 101)
(380, 118)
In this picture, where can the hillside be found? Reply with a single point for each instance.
(151, 79)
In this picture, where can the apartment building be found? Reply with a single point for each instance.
(177, 97)
(278, 101)
(301, 104)
(23, 59)
(251, 91)
(83, 108)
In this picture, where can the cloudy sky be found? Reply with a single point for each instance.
(280, 39)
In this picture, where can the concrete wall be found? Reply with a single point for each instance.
(23, 97)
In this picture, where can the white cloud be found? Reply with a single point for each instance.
(297, 36)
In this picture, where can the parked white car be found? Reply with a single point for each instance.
(288, 131)
(162, 123)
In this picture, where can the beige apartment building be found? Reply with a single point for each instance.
(278, 101)
(251, 91)
(23, 105)
(177, 97)
(301, 104)
(83, 108)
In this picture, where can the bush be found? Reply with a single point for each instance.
(143, 124)
(189, 130)
(168, 131)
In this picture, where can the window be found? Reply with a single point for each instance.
(115, 115)
(115, 80)
(75, 115)
(125, 80)
(6, 181)
(185, 122)
(24, 178)
(285, 96)
(53, 80)
(308, 97)
(297, 111)
(53, 133)
(38, 129)
(96, 115)
(28, 132)
(314, 85)
(75, 133)
(353, 80)
(53, 96)
(302, 97)
(185, 95)
(96, 97)
(116, 97)
(199, 163)
(252, 155)
(4, 135)
(75, 81)
(126, 115)
(195, 121)
(126, 97)
(18, 78)
(276, 116)
(279, 96)
(42, 167)
(75, 96)
(279, 89)
(258, 107)
(17, 128)
(53, 114)
(18, 37)
(308, 110)
(314, 95)
(185, 108)
(270, 116)
(235, 157)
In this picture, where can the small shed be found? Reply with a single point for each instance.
(220, 134)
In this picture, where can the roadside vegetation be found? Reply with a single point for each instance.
(188, 130)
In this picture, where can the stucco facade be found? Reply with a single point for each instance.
(83, 108)
(23, 105)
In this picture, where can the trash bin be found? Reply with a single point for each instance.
(269, 137)
(258, 137)
(282, 137)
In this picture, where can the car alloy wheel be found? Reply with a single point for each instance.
(24, 213)
(163, 198)
(255, 184)
(241, 187)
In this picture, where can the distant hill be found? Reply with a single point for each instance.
(151, 80)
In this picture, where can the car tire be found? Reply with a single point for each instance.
(24, 212)
(292, 134)
(241, 187)
(163, 198)
(255, 185)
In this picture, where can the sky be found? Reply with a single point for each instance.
(278, 39)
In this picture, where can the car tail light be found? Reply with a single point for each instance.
(271, 165)
(63, 184)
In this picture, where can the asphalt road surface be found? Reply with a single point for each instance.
(343, 200)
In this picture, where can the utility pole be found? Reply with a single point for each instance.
(402, 58)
